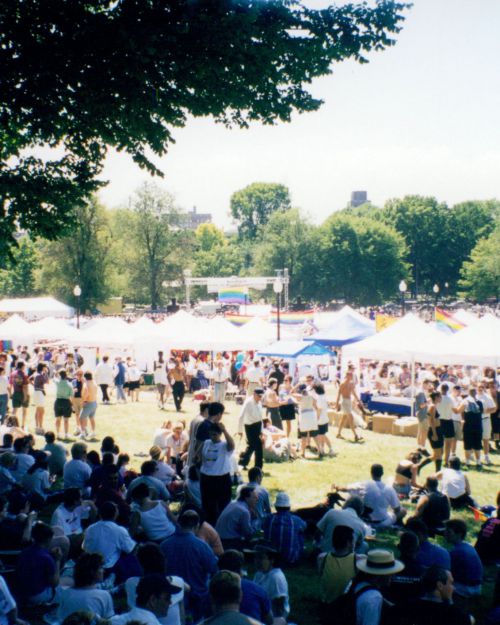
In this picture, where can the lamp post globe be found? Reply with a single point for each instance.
(402, 289)
(77, 291)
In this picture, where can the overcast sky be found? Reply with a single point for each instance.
(423, 117)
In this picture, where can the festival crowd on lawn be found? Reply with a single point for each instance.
(84, 539)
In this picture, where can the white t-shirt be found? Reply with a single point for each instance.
(453, 483)
(174, 611)
(139, 615)
(445, 408)
(108, 539)
(215, 458)
(76, 474)
(275, 585)
(104, 374)
(322, 404)
(379, 498)
(87, 600)
(70, 521)
(164, 472)
(254, 375)
(4, 384)
(487, 402)
(160, 438)
(7, 603)
(176, 444)
(160, 375)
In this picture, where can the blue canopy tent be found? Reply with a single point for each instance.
(293, 349)
(346, 329)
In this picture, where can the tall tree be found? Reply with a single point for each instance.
(360, 260)
(481, 274)
(252, 206)
(81, 257)
(160, 246)
(85, 76)
(18, 279)
(215, 255)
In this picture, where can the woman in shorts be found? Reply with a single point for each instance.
(77, 400)
(435, 432)
(63, 407)
(287, 403)
(40, 379)
(323, 421)
(308, 417)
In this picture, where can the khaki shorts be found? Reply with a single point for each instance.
(346, 405)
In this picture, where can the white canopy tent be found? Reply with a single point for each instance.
(478, 344)
(36, 307)
(17, 330)
(52, 329)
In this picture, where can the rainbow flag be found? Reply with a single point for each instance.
(292, 318)
(235, 295)
(448, 320)
(238, 320)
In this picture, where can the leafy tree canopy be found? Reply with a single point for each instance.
(252, 206)
(481, 274)
(85, 76)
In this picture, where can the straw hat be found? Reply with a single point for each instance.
(380, 562)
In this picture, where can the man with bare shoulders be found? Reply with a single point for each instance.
(178, 381)
(347, 390)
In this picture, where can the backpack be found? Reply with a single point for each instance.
(342, 611)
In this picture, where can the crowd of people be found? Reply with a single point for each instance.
(98, 541)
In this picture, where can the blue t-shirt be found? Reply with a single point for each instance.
(34, 569)
(466, 566)
(254, 601)
(190, 558)
(429, 555)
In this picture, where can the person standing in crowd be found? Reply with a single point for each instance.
(446, 411)
(63, 407)
(271, 402)
(161, 379)
(287, 403)
(489, 408)
(254, 378)
(194, 445)
(89, 408)
(134, 381)
(472, 410)
(104, 378)
(120, 372)
(421, 406)
(494, 392)
(40, 380)
(215, 472)
(347, 391)
(178, 382)
(251, 420)
(435, 432)
(220, 379)
(308, 417)
(4, 394)
(77, 400)
(276, 374)
(19, 391)
(456, 398)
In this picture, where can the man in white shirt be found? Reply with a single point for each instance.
(348, 516)
(220, 377)
(254, 378)
(152, 601)
(69, 515)
(488, 408)
(251, 421)
(382, 500)
(104, 376)
(113, 542)
(446, 412)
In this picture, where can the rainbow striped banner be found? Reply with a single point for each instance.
(238, 320)
(292, 318)
(448, 320)
(234, 295)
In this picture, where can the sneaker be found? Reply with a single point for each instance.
(424, 452)
(479, 466)
(77, 432)
(332, 453)
(487, 461)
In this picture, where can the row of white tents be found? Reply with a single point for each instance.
(409, 339)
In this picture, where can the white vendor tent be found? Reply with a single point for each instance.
(51, 329)
(478, 344)
(36, 307)
(17, 330)
(400, 341)
(108, 332)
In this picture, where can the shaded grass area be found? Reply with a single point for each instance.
(306, 481)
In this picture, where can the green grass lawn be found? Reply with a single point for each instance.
(306, 481)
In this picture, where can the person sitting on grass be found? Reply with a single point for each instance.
(58, 454)
(337, 567)
(150, 517)
(272, 579)
(84, 595)
(77, 472)
(429, 554)
(350, 515)
(147, 477)
(285, 531)
(466, 566)
(234, 525)
(488, 540)
(254, 600)
(406, 585)
(435, 607)
(433, 507)
(383, 501)
(455, 485)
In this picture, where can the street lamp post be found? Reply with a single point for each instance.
(435, 288)
(77, 291)
(402, 289)
(278, 288)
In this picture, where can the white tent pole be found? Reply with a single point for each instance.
(412, 387)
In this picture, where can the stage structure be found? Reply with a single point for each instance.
(214, 285)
